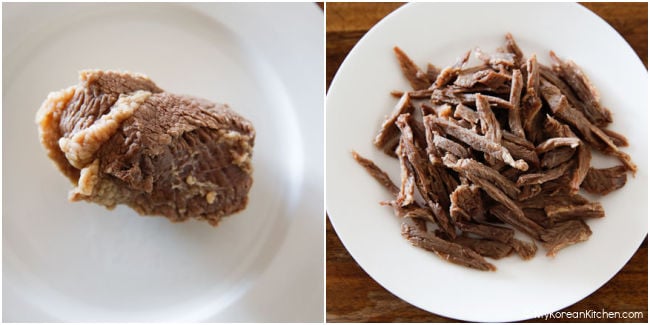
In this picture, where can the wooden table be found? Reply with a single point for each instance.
(352, 296)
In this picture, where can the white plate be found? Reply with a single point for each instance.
(80, 262)
(438, 33)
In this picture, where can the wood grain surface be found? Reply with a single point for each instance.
(352, 296)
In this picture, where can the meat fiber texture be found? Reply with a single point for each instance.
(120, 139)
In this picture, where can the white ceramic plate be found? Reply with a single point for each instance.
(438, 33)
(80, 262)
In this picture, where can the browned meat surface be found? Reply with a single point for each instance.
(122, 140)
(564, 234)
(416, 77)
(583, 89)
(415, 232)
(603, 181)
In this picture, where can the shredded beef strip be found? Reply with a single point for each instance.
(496, 60)
(449, 73)
(467, 78)
(529, 191)
(494, 80)
(513, 215)
(603, 181)
(466, 204)
(477, 142)
(618, 139)
(406, 193)
(447, 95)
(564, 234)
(558, 213)
(558, 129)
(554, 143)
(544, 199)
(514, 115)
(501, 90)
(466, 113)
(432, 72)
(549, 75)
(388, 137)
(531, 103)
(511, 45)
(521, 152)
(485, 247)
(497, 233)
(489, 123)
(583, 89)
(376, 172)
(524, 249)
(410, 211)
(557, 156)
(472, 167)
(419, 134)
(590, 132)
(414, 230)
(518, 140)
(539, 216)
(414, 94)
(413, 74)
(430, 188)
(450, 146)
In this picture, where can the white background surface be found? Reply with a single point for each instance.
(80, 262)
(359, 99)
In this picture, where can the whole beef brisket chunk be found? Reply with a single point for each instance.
(122, 140)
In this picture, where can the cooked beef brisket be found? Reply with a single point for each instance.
(497, 147)
(122, 140)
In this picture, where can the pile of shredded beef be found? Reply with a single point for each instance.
(498, 148)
